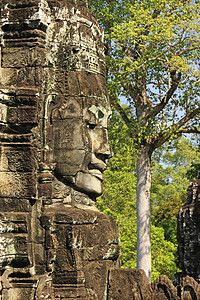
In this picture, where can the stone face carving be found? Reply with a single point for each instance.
(76, 102)
(53, 90)
(78, 143)
(54, 111)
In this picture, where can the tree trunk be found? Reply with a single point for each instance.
(144, 211)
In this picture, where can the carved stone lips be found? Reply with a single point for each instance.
(97, 167)
(97, 173)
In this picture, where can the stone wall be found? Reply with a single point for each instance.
(188, 234)
(54, 108)
(133, 284)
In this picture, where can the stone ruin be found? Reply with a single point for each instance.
(54, 110)
(188, 234)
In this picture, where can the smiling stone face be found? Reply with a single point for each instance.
(76, 103)
(79, 145)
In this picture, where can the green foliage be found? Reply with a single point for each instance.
(119, 201)
(123, 147)
(120, 178)
(171, 167)
(153, 60)
(165, 217)
(119, 192)
(127, 223)
(192, 173)
(163, 254)
(119, 198)
(194, 170)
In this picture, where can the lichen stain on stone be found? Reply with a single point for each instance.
(43, 14)
(7, 245)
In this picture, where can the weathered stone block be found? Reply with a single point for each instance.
(13, 250)
(12, 116)
(190, 289)
(17, 185)
(17, 15)
(17, 158)
(91, 84)
(63, 236)
(22, 205)
(96, 279)
(19, 293)
(3, 113)
(7, 77)
(13, 223)
(23, 57)
(188, 232)
(73, 84)
(45, 190)
(88, 238)
(27, 114)
(39, 259)
(70, 108)
(20, 242)
(29, 76)
(56, 82)
(162, 288)
(65, 264)
(26, 99)
(19, 3)
(70, 157)
(51, 87)
(71, 135)
(126, 284)
(15, 217)
(66, 169)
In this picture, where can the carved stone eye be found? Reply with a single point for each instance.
(100, 114)
(91, 125)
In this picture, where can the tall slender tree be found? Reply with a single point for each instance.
(153, 49)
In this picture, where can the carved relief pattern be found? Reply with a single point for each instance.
(53, 153)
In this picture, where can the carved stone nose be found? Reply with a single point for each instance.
(105, 152)
(109, 154)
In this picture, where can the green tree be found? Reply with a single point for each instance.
(119, 197)
(165, 216)
(152, 58)
(170, 183)
(163, 254)
(171, 170)
(119, 201)
(120, 176)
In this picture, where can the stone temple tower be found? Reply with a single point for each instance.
(54, 108)
(188, 233)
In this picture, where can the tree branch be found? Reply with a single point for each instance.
(121, 111)
(188, 130)
(165, 99)
(176, 129)
(187, 50)
(189, 116)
